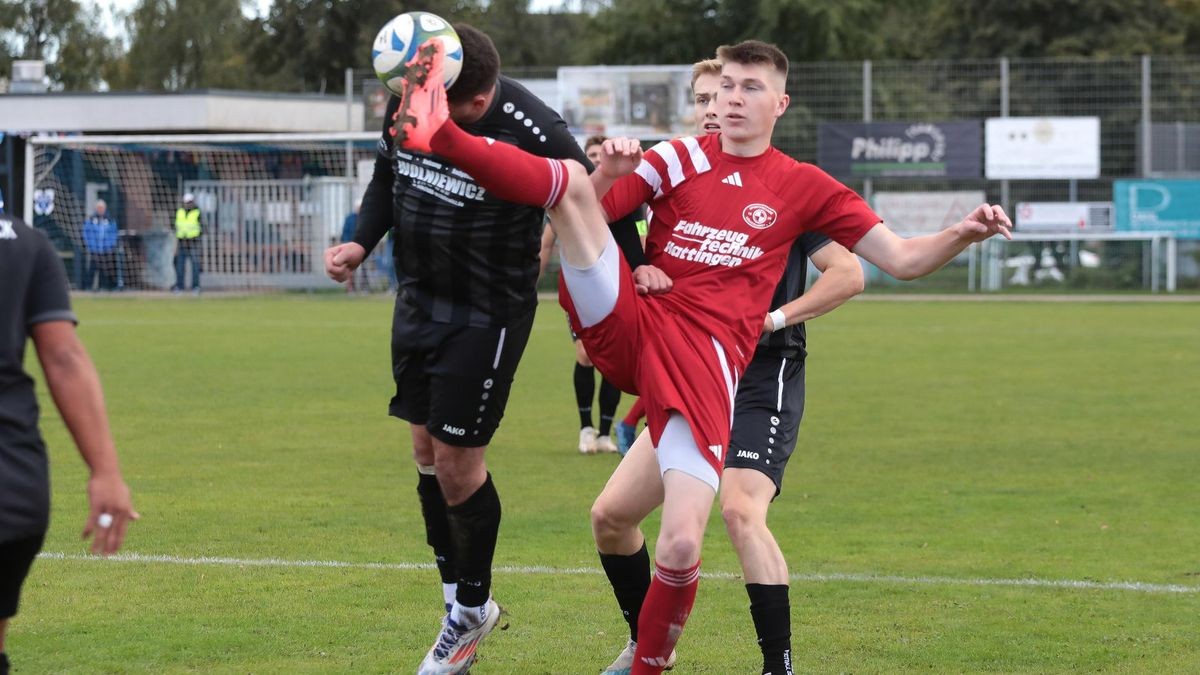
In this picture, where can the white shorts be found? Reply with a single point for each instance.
(677, 450)
(594, 289)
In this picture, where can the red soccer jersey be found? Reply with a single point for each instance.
(723, 226)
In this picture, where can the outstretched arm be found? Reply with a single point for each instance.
(841, 279)
(912, 258)
(75, 386)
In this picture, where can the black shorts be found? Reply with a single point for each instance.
(766, 416)
(16, 556)
(454, 379)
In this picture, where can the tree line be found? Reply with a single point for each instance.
(305, 45)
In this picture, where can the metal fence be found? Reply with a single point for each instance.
(1134, 97)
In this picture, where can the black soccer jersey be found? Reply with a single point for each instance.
(791, 341)
(462, 255)
(33, 289)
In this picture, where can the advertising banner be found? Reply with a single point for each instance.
(926, 149)
(1063, 217)
(1042, 147)
(646, 102)
(1158, 206)
(925, 212)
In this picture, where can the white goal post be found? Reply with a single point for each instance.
(270, 203)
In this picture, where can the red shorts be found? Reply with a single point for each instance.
(648, 348)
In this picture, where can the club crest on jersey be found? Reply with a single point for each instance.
(759, 216)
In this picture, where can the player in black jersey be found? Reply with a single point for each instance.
(35, 304)
(467, 265)
(766, 420)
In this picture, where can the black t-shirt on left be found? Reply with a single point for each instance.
(33, 289)
(462, 255)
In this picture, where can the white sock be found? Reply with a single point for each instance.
(468, 616)
(448, 593)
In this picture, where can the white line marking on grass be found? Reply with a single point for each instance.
(1137, 586)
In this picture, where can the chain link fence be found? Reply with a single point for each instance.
(1148, 107)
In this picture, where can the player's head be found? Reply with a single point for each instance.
(592, 148)
(471, 93)
(101, 206)
(706, 79)
(753, 89)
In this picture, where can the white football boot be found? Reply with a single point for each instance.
(454, 651)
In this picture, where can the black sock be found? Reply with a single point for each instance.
(610, 398)
(474, 526)
(585, 388)
(630, 579)
(437, 528)
(3, 663)
(771, 611)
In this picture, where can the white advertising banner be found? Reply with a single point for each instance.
(646, 102)
(925, 212)
(1042, 147)
(1063, 216)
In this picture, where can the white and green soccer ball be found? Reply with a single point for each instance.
(398, 40)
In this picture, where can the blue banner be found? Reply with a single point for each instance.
(1158, 206)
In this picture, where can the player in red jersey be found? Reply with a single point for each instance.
(766, 421)
(681, 330)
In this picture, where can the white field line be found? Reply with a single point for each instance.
(1136, 586)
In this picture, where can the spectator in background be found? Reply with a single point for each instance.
(359, 279)
(100, 243)
(188, 228)
(36, 304)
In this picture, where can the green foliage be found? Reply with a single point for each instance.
(178, 45)
(945, 441)
(63, 33)
(305, 45)
(1034, 28)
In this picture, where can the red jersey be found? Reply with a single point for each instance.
(723, 227)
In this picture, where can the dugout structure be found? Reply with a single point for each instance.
(271, 203)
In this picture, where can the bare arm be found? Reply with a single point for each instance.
(841, 279)
(75, 386)
(620, 157)
(548, 239)
(912, 258)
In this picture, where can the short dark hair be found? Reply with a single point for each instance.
(598, 139)
(755, 52)
(481, 65)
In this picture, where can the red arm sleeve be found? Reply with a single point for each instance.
(834, 209)
(628, 193)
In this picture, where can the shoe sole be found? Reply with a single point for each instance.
(414, 78)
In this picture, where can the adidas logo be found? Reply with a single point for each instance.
(734, 179)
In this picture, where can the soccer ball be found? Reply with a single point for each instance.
(398, 40)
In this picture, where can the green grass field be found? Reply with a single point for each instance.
(974, 482)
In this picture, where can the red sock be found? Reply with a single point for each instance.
(636, 413)
(664, 612)
(506, 171)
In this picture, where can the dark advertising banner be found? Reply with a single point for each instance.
(928, 149)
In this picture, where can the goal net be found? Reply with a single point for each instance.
(270, 205)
